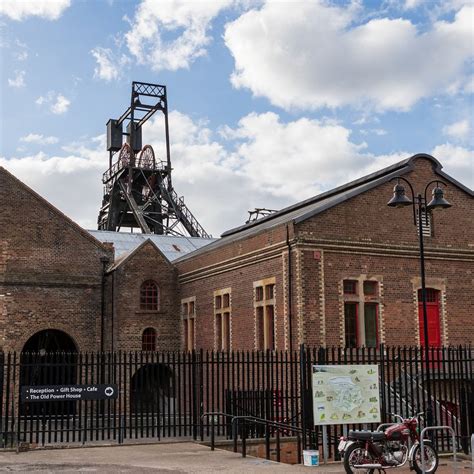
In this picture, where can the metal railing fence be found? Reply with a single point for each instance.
(165, 394)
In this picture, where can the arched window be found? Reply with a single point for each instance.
(149, 340)
(149, 296)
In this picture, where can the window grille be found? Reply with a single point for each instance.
(149, 296)
(350, 287)
(370, 288)
(222, 317)
(264, 305)
(149, 340)
(189, 313)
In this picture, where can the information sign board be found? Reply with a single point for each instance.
(344, 394)
(60, 393)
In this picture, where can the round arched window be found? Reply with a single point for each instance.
(149, 296)
(149, 340)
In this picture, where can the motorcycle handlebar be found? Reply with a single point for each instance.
(396, 416)
(418, 415)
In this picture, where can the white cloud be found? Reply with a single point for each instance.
(312, 56)
(61, 105)
(457, 161)
(58, 103)
(263, 162)
(108, 66)
(409, 4)
(39, 138)
(22, 9)
(18, 80)
(171, 34)
(21, 53)
(76, 175)
(376, 131)
(459, 130)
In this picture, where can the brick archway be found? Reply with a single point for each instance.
(49, 357)
(50, 340)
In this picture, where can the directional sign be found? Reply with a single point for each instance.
(65, 393)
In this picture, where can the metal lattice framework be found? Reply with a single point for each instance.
(138, 191)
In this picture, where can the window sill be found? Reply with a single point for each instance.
(148, 311)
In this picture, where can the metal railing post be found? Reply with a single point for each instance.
(235, 434)
(267, 442)
(422, 445)
(244, 439)
(212, 433)
(278, 445)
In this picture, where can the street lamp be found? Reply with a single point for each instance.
(400, 199)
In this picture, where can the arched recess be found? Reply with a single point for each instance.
(50, 340)
(151, 389)
(49, 357)
(149, 340)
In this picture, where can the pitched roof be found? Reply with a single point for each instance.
(124, 257)
(171, 246)
(304, 210)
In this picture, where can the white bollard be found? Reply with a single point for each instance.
(472, 451)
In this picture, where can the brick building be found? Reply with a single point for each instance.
(61, 288)
(341, 268)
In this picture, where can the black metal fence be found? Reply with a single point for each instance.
(164, 395)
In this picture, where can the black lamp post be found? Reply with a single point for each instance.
(400, 199)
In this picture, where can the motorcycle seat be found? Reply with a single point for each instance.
(367, 435)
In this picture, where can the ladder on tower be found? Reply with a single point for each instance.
(182, 213)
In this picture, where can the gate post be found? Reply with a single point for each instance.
(303, 392)
(194, 403)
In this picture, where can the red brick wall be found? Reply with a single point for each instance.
(50, 271)
(240, 281)
(367, 218)
(360, 238)
(363, 236)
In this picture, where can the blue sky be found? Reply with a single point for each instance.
(271, 102)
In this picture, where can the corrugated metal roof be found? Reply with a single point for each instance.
(171, 246)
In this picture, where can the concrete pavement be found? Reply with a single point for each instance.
(158, 458)
(164, 458)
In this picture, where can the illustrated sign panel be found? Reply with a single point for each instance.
(344, 394)
(60, 393)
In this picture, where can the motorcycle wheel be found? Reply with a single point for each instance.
(431, 459)
(355, 454)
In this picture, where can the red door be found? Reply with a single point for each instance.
(432, 310)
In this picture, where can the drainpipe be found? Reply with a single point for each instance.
(104, 260)
(290, 284)
(112, 329)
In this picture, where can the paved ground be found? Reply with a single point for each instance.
(174, 458)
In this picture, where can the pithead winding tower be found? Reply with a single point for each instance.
(138, 191)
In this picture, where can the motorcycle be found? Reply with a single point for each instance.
(370, 451)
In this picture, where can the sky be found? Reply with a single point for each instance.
(270, 102)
